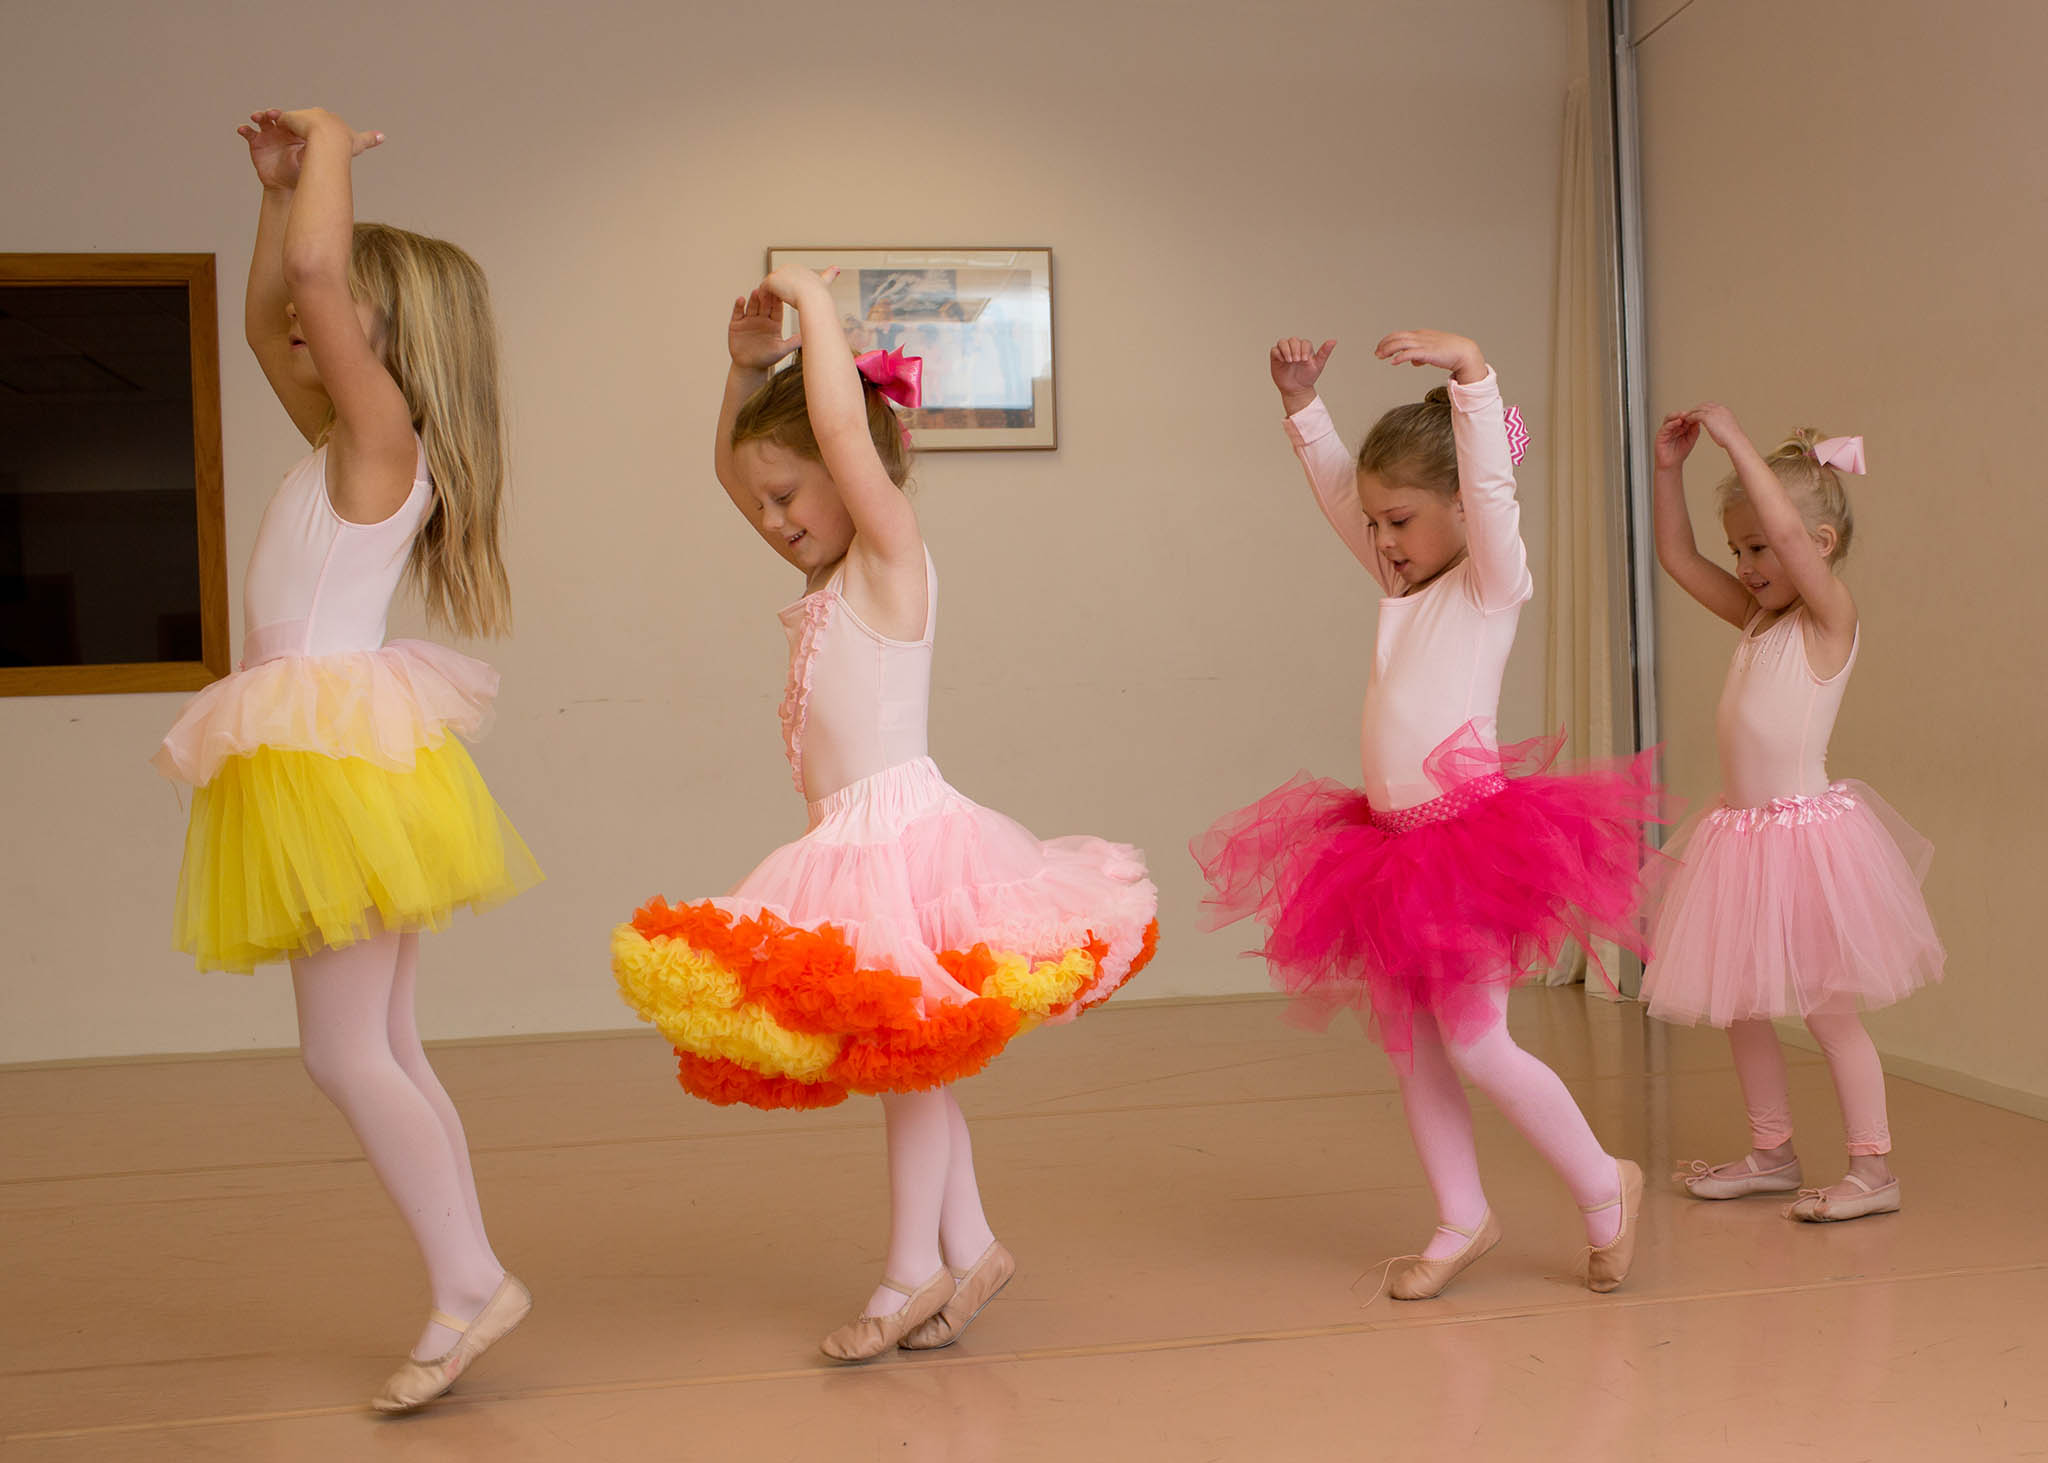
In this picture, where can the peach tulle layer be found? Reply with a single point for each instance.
(381, 706)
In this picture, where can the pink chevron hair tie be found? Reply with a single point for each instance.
(1844, 453)
(897, 376)
(1518, 435)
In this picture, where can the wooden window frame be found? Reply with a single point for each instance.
(195, 273)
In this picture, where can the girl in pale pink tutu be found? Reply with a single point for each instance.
(1461, 865)
(1798, 896)
(904, 940)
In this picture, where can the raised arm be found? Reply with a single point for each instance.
(1486, 469)
(274, 151)
(372, 456)
(754, 339)
(1296, 365)
(1677, 551)
(885, 527)
(1826, 597)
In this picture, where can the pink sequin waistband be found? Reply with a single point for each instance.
(1787, 812)
(1459, 800)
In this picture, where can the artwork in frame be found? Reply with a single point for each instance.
(980, 319)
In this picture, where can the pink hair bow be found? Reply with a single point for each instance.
(897, 376)
(1845, 453)
(1518, 435)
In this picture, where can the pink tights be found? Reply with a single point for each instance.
(1535, 1101)
(1852, 1061)
(935, 1213)
(358, 1039)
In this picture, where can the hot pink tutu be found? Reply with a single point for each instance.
(1427, 908)
(1803, 905)
(896, 946)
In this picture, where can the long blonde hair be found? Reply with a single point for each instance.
(1814, 488)
(441, 346)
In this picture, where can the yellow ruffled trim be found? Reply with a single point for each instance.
(1037, 990)
(699, 1006)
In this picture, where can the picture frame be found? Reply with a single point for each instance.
(113, 534)
(981, 319)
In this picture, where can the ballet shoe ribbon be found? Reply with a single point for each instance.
(1386, 1272)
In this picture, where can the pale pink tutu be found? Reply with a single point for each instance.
(380, 705)
(1803, 905)
(906, 867)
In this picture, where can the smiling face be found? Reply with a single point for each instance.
(1419, 533)
(1757, 564)
(797, 510)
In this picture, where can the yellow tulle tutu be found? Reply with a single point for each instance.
(292, 851)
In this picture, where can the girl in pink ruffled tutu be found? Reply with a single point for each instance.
(1798, 896)
(336, 812)
(1461, 865)
(900, 943)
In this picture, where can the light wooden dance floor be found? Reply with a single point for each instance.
(199, 1265)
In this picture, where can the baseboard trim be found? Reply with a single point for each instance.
(529, 1038)
(1942, 1079)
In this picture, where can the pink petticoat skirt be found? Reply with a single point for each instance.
(1805, 905)
(898, 945)
(1427, 909)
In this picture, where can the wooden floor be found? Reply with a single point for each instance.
(199, 1265)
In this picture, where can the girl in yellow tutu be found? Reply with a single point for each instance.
(336, 813)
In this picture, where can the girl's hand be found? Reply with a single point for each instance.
(1675, 439)
(303, 123)
(1453, 353)
(1297, 364)
(791, 284)
(274, 149)
(1718, 423)
(754, 334)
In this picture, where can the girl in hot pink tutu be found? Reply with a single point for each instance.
(1798, 896)
(902, 942)
(1461, 865)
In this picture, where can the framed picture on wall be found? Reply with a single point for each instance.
(980, 319)
(113, 573)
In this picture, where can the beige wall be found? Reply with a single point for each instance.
(1845, 208)
(1140, 631)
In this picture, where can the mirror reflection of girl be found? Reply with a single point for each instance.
(1799, 896)
(337, 814)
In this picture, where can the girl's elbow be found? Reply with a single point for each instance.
(303, 267)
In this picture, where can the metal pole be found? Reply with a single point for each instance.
(1632, 363)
